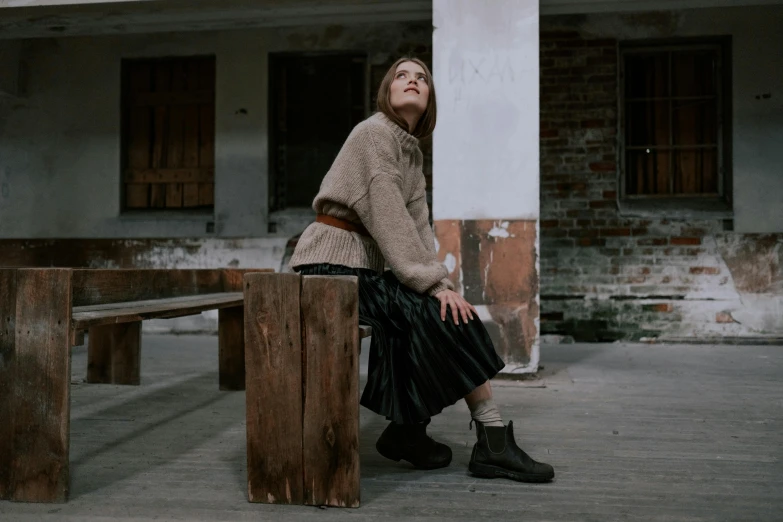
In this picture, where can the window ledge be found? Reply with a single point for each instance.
(168, 215)
(677, 208)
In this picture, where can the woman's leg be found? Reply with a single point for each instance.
(496, 453)
(482, 406)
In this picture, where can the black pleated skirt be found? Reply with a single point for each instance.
(419, 364)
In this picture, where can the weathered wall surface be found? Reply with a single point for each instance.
(59, 143)
(608, 275)
(485, 165)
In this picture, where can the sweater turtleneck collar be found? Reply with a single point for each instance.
(408, 141)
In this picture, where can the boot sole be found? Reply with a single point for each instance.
(396, 457)
(488, 471)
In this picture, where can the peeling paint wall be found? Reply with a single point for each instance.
(60, 147)
(608, 274)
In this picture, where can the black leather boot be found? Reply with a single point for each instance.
(410, 442)
(496, 454)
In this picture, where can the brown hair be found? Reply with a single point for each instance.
(426, 124)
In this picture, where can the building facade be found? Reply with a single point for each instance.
(600, 170)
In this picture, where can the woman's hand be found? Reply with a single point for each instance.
(458, 305)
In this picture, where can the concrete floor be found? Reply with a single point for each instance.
(635, 432)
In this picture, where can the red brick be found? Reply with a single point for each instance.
(603, 166)
(660, 307)
(694, 231)
(610, 194)
(610, 232)
(551, 133)
(685, 241)
(724, 317)
(567, 187)
(583, 232)
(652, 241)
(552, 316)
(709, 270)
(602, 204)
(632, 280)
(593, 124)
(549, 223)
(592, 241)
(554, 232)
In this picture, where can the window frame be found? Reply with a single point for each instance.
(708, 202)
(281, 213)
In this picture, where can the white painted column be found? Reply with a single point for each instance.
(486, 163)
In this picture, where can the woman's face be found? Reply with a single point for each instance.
(410, 89)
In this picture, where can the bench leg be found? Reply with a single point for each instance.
(231, 348)
(273, 355)
(114, 354)
(38, 376)
(7, 353)
(330, 330)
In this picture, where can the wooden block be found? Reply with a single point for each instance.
(185, 175)
(190, 195)
(100, 286)
(234, 278)
(158, 192)
(330, 329)
(175, 140)
(140, 125)
(114, 354)
(174, 195)
(7, 356)
(136, 311)
(41, 394)
(158, 99)
(273, 363)
(231, 348)
(190, 157)
(206, 126)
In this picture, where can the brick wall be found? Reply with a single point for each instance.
(605, 276)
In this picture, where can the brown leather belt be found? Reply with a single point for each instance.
(342, 223)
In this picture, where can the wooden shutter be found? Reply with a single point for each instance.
(169, 137)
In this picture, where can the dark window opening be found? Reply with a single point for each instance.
(315, 101)
(673, 123)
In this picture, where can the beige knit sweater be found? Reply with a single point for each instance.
(377, 180)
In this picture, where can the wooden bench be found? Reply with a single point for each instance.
(45, 311)
(303, 424)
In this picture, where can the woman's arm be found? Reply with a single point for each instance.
(419, 211)
(384, 214)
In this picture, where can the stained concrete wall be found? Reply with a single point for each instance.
(60, 147)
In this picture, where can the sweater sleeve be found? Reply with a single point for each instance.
(420, 212)
(383, 212)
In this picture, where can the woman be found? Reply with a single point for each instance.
(372, 211)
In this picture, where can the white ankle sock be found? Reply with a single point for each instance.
(487, 413)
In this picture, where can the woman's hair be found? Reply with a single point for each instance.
(426, 124)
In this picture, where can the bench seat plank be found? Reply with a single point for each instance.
(86, 316)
